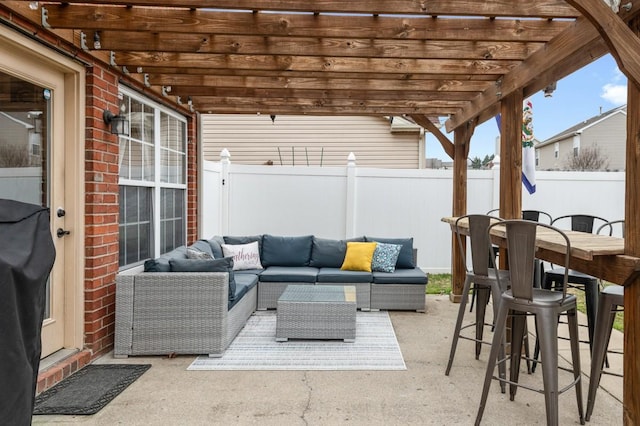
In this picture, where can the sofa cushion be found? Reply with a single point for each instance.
(245, 256)
(194, 253)
(327, 253)
(401, 276)
(385, 257)
(244, 283)
(207, 265)
(286, 251)
(405, 259)
(248, 271)
(289, 274)
(216, 246)
(358, 256)
(161, 264)
(229, 239)
(205, 247)
(337, 275)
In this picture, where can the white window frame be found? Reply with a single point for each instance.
(157, 185)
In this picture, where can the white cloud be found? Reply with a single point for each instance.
(614, 93)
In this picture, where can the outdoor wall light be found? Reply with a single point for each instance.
(119, 124)
(548, 91)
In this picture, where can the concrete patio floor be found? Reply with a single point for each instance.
(168, 394)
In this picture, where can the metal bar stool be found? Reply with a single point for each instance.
(587, 283)
(546, 305)
(611, 299)
(484, 280)
(610, 302)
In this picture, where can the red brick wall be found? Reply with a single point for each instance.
(192, 179)
(101, 208)
(101, 211)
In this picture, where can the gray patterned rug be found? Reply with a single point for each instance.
(255, 348)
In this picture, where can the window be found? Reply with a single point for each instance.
(576, 151)
(556, 150)
(152, 180)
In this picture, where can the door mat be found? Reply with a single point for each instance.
(255, 348)
(88, 390)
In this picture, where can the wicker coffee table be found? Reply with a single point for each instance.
(316, 312)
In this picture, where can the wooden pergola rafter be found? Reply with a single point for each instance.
(457, 62)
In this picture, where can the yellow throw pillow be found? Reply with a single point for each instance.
(358, 256)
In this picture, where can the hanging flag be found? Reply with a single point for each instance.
(528, 151)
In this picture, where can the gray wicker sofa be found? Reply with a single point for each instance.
(183, 305)
(310, 260)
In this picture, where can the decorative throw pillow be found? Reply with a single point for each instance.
(385, 257)
(193, 253)
(358, 256)
(245, 256)
(405, 259)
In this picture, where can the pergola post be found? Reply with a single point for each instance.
(461, 138)
(511, 156)
(631, 371)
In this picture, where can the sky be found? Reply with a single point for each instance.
(600, 86)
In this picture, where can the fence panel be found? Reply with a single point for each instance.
(342, 202)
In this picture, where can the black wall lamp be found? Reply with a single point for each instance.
(119, 124)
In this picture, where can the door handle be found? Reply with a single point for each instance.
(62, 232)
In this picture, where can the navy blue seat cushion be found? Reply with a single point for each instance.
(249, 271)
(328, 253)
(207, 265)
(286, 251)
(405, 258)
(401, 276)
(161, 264)
(244, 283)
(337, 275)
(289, 274)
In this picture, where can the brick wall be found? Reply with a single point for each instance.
(101, 211)
(192, 179)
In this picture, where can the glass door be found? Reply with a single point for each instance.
(26, 175)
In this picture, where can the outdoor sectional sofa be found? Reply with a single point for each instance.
(187, 303)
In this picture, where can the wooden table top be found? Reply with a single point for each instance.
(583, 245)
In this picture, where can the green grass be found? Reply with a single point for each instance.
(441, 284)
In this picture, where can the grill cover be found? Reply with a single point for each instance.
(27, 254)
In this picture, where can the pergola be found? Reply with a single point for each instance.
(459, 60)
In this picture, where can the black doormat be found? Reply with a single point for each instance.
(88, 390)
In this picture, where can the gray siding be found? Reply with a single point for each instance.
(609, 134)
(254, 139)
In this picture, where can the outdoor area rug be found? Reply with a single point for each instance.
(255, 348)
(88, 390)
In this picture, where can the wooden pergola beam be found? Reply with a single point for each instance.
(517, 8)
(554, 58)
(623, 43)
(446, 144)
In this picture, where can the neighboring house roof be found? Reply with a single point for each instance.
(580, 127)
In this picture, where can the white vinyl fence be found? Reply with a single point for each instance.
(343, 202)
(21, 184)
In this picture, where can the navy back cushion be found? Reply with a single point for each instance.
(286, 251)
(405, 258)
